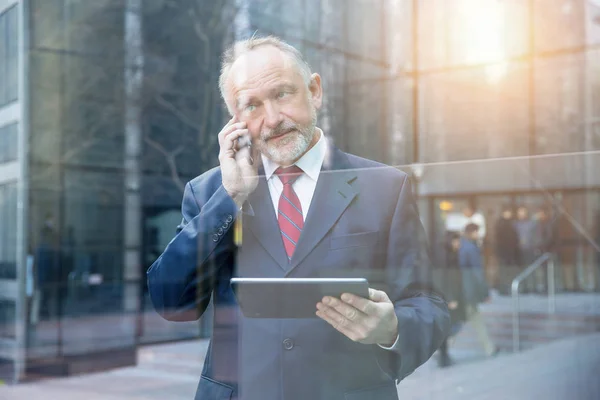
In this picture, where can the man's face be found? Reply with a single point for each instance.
(507, 214)
(541, 215)
(267, 91)
(473, 235)
(455, 244)
(468, 212)
(522, 213)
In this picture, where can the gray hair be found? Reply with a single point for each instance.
(242, 47)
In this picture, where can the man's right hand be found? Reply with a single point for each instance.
(239, 172)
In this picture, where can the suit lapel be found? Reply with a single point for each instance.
(262, 221)
(332, 196)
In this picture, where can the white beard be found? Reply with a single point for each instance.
(292, 147)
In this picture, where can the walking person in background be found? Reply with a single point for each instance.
(506, 249)
(475, 289)
(47, 265)
(450, 283)
(597, 252)
(526, 231)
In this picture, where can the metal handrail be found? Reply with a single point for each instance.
(544, 259)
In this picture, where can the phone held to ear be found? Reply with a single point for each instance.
(243, 141)
(243, 147)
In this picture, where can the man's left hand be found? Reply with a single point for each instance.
(368, 321)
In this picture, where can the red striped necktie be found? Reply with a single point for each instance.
(289, 210)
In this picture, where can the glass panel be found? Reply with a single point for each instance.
(401, 111)
(579, 239)
(558, 24)
(8, 272)
(8, 143)
(365, 39)
(592, 19)
(332, 25)
(47, 27)
(44, 304)
(12, 57)
(592, 98)
(45, 77)
(7, 319)
(93, 304)
(8, 231)
(560, 101)
(497, 240)
(4, 39)
(464, 32)
(475, 113)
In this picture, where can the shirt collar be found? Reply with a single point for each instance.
(310, 163)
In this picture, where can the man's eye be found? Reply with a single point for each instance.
(281, 95)
(250, 108)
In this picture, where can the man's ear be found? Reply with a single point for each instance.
(316, 90)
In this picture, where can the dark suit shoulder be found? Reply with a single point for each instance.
(383, 171)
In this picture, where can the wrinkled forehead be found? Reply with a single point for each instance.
(259, 66)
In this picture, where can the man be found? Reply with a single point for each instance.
(475, 289)
(47, 259)
(308, 210)
(526, 228)
(477, 218)
(450, 282)
(457, 222)
(507, 249)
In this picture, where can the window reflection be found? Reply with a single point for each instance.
(489, 104)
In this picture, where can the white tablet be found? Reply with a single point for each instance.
(291, 297)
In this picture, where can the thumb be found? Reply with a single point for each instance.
(378, 296)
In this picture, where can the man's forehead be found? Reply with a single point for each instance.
(263, 62)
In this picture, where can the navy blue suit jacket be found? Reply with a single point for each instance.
(362, 222)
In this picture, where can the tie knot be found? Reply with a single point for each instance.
(289, 174)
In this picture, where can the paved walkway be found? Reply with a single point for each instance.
(566, 369)
(566, 303)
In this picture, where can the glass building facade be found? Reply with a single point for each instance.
(9, 187)
(107, 109)
(505, 113)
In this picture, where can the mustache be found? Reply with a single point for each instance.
(280, 130)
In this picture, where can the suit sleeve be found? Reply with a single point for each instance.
(423, 317)
(182, 279)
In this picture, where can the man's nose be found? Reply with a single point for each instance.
(272, 115)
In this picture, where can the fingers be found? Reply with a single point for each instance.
(378, 296)
(228, 130)
(347, 311)
(366, 306)
(356, 329)
(337, 325)
(231, 126)
(227, 138)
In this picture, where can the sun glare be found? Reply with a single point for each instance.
(481, 34)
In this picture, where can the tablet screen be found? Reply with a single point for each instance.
(291, 297)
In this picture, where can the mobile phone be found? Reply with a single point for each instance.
(243, 146)
(244, 141)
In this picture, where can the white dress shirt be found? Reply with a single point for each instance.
(310, 163)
